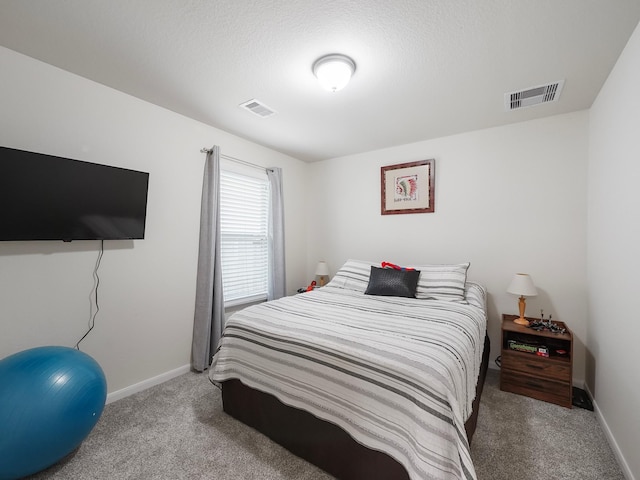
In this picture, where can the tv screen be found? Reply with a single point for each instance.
(43, 197)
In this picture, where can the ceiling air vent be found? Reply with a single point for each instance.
(258, 108)
(533, 96)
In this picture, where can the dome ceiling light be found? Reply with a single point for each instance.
(334, 71)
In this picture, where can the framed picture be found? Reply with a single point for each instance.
(408, 187)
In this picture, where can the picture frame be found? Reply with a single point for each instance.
(408, 188)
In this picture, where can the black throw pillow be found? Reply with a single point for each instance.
(392, 282)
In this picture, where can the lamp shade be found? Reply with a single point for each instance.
(334, 71)
(522, 285)
(322, 269)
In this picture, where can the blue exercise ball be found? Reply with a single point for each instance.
(50, 399)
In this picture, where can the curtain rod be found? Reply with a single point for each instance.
(234, 159)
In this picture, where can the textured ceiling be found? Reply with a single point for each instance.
(425, 68)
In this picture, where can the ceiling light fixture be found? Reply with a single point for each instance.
(334, 71)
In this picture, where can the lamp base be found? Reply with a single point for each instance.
(521, 321)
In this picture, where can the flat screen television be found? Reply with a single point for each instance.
(44, 197)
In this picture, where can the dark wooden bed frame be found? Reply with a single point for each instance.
(322, 443)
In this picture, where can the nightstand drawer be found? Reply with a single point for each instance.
(543, 378)
(538, 366)
(535, 387)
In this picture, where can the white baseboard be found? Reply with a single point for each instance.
(628, 474)
(148, 383)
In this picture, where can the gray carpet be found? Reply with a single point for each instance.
(521, 438)
(178, 430)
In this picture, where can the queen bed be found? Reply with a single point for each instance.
(362, 382)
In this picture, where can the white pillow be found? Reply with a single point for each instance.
(437, 282)
(442, 282)
(353, 275)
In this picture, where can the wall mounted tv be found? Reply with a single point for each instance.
(43, 197)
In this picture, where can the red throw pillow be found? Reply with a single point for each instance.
(395, 267)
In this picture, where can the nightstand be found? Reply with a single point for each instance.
(544, 378)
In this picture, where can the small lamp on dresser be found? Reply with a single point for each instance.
(522, 285)
(322, 270)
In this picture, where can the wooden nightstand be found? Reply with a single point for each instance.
(544, 378)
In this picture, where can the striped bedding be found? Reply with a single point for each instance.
(397, 374)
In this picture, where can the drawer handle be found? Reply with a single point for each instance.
(538, 367)
(534, 385)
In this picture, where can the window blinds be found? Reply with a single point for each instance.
(244, 211)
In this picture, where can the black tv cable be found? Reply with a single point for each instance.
(96, 284)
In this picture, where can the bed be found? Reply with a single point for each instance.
(363, 384)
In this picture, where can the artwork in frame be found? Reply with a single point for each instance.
(408, 187)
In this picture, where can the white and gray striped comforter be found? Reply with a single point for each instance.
(398, 374)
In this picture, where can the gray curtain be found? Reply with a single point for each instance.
(208, 320)
(277, 280)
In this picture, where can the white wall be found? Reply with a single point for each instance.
(147, 287)
(613, 260)
(508, 199)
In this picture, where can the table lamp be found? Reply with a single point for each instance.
(522, 285)
(322, 270)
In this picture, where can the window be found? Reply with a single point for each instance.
(244, 214)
